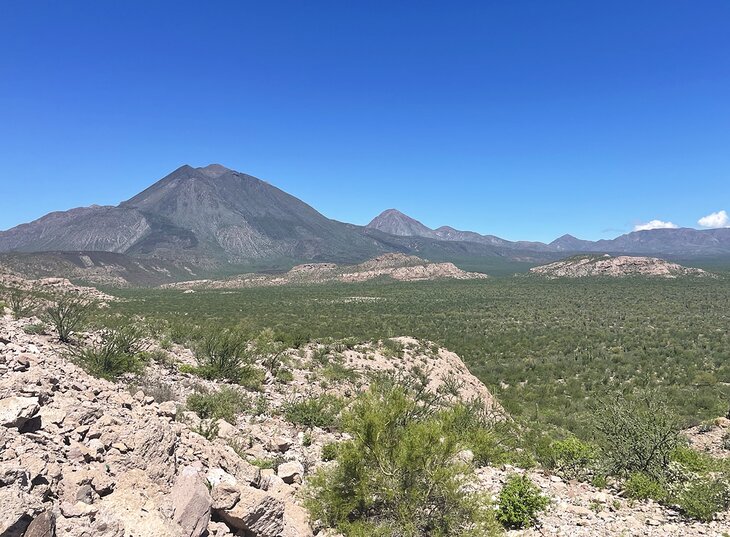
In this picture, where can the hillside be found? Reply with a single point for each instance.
(615, 267)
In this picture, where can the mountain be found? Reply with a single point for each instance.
(678, 242)
(214, 221)
(203, 216)
(395, 222)
(568, 243)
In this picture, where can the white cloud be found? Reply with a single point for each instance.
(655, 224)
(718, 219)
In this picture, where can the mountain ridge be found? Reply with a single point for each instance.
(202, 219)
(674, 241)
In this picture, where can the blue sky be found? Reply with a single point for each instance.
(524, 119)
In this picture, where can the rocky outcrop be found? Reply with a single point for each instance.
(395, 266)
(615, 267)
(81, 456)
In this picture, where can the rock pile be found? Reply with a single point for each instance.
(80, 456)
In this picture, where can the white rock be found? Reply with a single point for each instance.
(291, 472)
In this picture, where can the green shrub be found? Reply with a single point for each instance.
(21, 303)
(489, 441)
(337, 372)
(692, 460)
(187, 368)
(251, 377)
(640, 486)
(702, 498)
(269, 464)
(486, 447)
(223, 404)
(321, 411)
(520, 502)
(221, 355)
(110, 357)
(329, 451)
(571, 458)
(131, 338)
(398, 475)
(270, 351)
(638, 434)
(208, 429)
(392, 348)
(67, 314)
(284, 375)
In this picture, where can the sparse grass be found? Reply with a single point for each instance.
(35, 329)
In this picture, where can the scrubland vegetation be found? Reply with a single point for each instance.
(546, 349)
(599, 378)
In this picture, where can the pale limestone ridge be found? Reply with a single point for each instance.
(615, 267)
(395, 266)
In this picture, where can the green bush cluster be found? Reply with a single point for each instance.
(641, 486)
(223, 404)
(638, 433)
(520, 502)
(546, 349)
(399, 475)
(321, 411)
(641, 443)
(116, 352)
(571, 458)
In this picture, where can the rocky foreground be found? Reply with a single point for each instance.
(614, 267)
(81, 456)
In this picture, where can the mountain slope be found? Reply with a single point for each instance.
(109, 229)
(200, 215)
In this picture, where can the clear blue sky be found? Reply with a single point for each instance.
(525, 119)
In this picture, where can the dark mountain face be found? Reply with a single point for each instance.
(109, 229)
(677, 242)
(200, 215)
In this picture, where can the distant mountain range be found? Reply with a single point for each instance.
(203, 220)
(686, 242)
